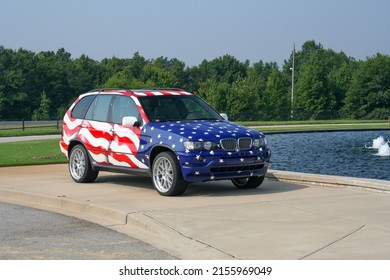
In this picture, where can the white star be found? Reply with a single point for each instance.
(200, 139)
(197, 157)
(230, 153)
(211, 152)
(251, 152)
(241, 159)
(170, 137)
(181, 140)
(152, 128)
(218, 136)
(206, 133)
(173, 146)
(252, 173)
(159, 136)
(142, 147)
(221, 160)
(197, 173)
(151, 140)
(187, 151)
(212, 177)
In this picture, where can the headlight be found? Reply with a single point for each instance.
(199, 145)
(259, 142)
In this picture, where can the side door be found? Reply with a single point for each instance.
(125, 139)
(96, 132)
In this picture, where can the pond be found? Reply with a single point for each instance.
(364, 154)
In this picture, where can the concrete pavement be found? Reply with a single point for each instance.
(214, 220)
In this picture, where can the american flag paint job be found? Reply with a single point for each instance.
(131, 147)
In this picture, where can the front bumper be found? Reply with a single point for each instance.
(203, 166)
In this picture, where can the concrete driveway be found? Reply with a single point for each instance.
(279, 220)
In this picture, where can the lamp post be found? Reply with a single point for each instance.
(292, 82)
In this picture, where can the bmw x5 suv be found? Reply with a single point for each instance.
(169, 134)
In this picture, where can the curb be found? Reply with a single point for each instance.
(374, 185)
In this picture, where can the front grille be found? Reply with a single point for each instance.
(236, 168)
(244, 143)
(229, 144)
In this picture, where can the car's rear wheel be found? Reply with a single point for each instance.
(166, 174)
(80, 166)
(248, 182)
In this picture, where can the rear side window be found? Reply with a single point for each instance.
(81, 107)
(99, 109)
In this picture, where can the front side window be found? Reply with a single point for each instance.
(123, 106)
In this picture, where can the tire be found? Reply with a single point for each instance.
(80, 168)
(166, 175)
(248, 182)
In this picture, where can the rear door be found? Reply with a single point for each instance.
(97, 132)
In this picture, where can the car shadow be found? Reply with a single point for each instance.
(215, 188)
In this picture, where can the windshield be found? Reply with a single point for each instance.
(177, 107)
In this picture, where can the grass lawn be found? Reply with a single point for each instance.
(31, 152)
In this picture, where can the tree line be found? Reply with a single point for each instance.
(327, 84)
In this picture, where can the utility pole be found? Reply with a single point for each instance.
(292, 82)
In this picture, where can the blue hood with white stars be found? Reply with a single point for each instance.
(173, 134)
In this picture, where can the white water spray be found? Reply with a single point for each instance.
(384, 150)
(382, 146)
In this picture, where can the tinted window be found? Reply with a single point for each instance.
(98, 111)
(172, 108)
(82, 106)
(123, 106)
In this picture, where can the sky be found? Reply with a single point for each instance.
(192, 31)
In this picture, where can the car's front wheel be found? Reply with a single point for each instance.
(166, 174)
(80, 167)
(248, 182)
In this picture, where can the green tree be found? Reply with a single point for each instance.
(43, 111)
(369, 93)
(216, 94)
(277, 97)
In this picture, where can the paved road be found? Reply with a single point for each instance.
(28, 138)
(27, 233)
(215, 220)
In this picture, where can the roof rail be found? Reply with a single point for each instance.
(144, 89)
(149, 89)
(106, 89)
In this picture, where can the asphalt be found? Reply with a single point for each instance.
(291, 216)
(32, 234)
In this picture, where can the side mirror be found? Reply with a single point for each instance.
(130, 121)
(224, 116)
